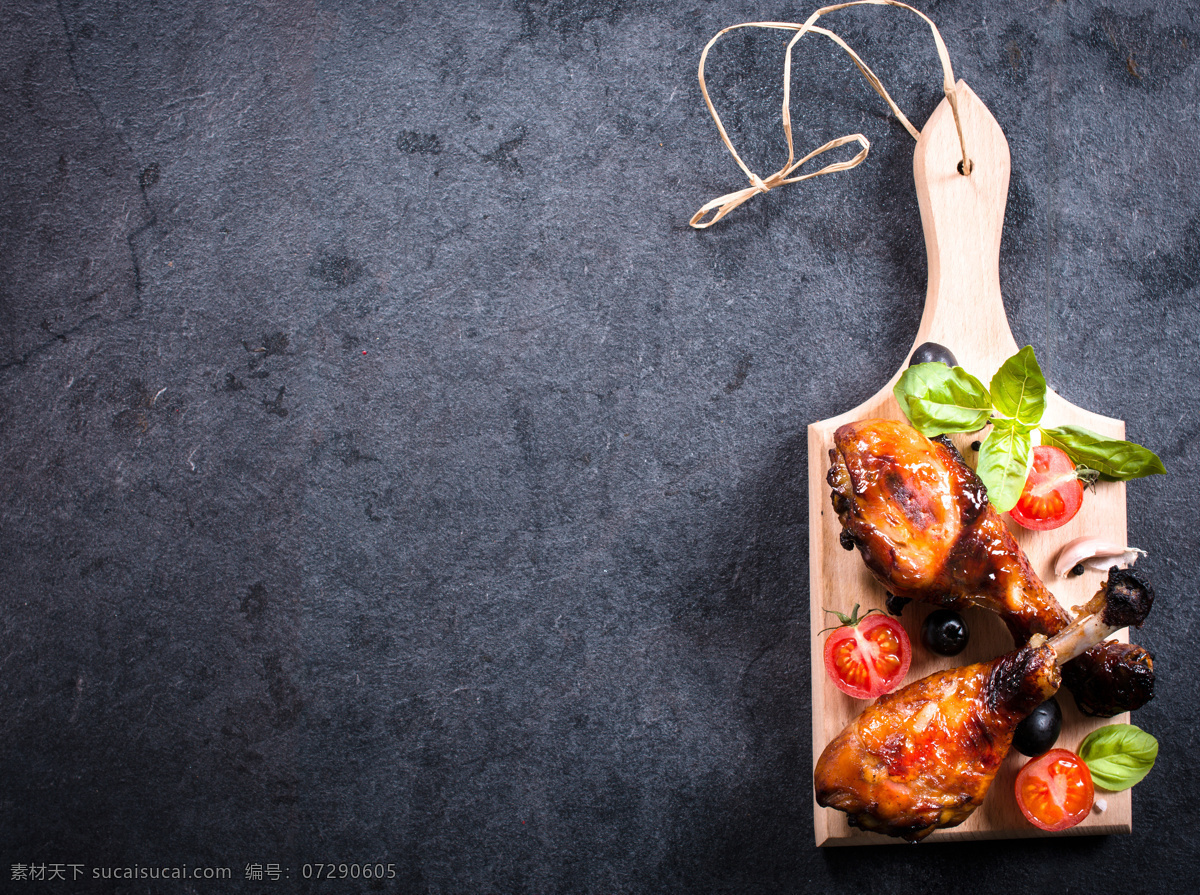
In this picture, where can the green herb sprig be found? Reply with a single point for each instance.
(940, 400)
(1119, 755)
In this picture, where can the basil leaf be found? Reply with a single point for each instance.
(1004, 463)
(1019, 389)
(1119, 755)
(1114, 459)
(938, 399)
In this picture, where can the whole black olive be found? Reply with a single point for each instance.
(932, 353)
(945, 632)
(1037, 733)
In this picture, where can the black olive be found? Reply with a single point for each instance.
(945, 632)
(932, 353)
(1037, 733)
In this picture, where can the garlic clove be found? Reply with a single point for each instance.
(1094, 553)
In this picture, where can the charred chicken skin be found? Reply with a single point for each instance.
(923, 758)
(920, 517)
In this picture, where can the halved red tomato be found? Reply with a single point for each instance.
(869, 656)
(1055, 791)
(1053, 492)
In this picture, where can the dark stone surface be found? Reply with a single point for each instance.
(388, 473)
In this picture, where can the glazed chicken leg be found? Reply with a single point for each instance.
(920, 517)
(923, 757)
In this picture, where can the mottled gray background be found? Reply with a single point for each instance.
(389, 473)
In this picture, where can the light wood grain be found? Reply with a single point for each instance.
(962, 217)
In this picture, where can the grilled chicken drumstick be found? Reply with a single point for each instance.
(920, 517)
(923, 757)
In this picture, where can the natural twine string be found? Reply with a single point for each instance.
(727, 203)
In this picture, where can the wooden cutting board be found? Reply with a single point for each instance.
(962, 218)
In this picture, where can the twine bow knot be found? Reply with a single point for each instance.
(727, 203)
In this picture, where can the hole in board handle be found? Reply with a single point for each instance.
(965, 167)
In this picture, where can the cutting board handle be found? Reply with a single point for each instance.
(962, 217)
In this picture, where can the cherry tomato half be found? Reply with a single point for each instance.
(1055, 791)
(868, 657)
(1053, 492)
